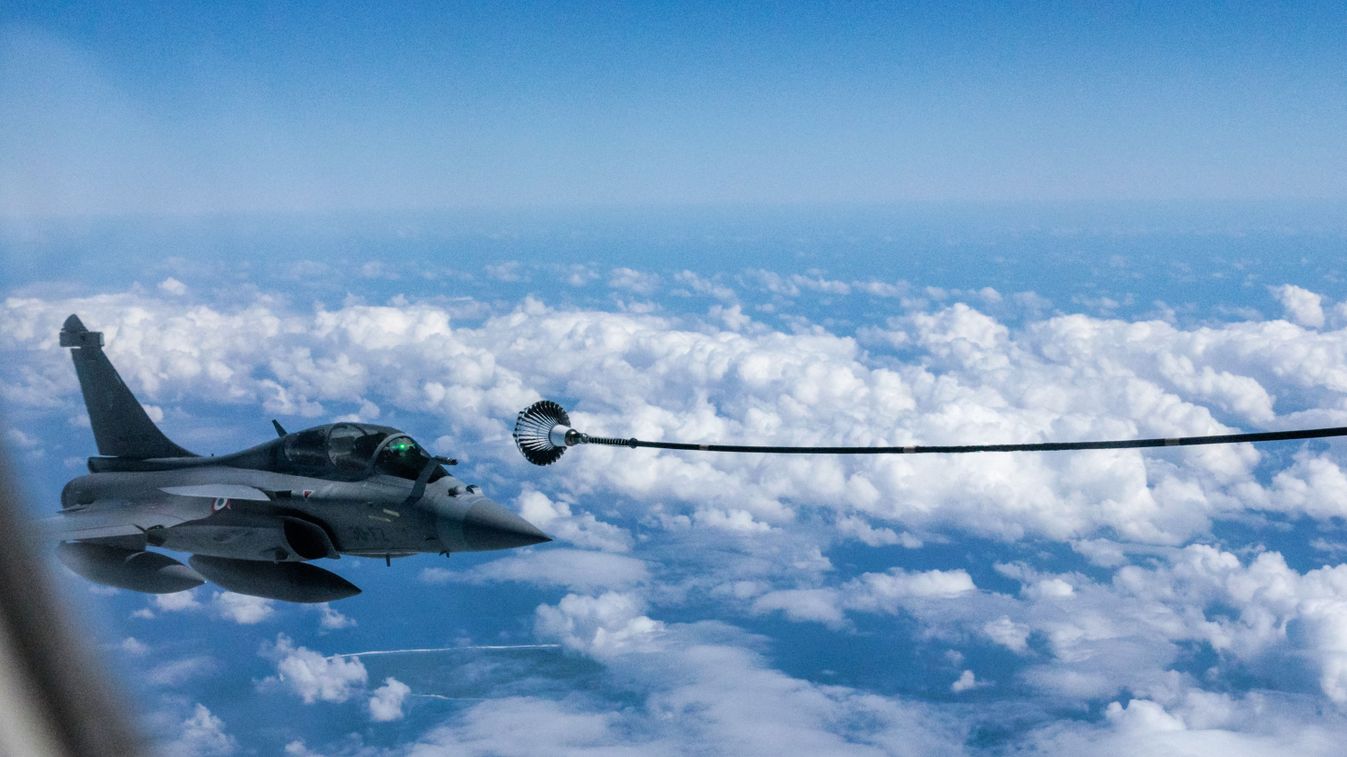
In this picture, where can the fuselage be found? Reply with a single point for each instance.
(343, 488)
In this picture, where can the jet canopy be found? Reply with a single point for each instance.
(353, 451)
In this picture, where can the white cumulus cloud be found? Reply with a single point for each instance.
(1302, 306)
(386, 702)
(602, 626)
(965, 681)
(201, 734)
(311, 676)
(241, 608)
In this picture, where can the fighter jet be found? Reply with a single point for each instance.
(252, 520)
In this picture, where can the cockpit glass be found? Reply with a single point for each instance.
(352, 451)
(404, 458)
(350, 447)
(344, 450)
(307, 449)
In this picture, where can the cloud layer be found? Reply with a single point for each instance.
(1122, 586)
(962, 377)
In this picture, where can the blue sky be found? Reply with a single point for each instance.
(785, 223)
(187, 108)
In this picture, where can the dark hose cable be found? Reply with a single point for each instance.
(1179, 441)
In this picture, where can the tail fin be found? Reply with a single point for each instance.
(121, 427)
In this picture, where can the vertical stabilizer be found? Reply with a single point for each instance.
(121, 427)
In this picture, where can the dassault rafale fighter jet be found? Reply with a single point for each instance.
(252, 519)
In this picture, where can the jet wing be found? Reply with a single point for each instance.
(113, 520)
(218, 491)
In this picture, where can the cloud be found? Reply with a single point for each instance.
(1124, 634)
(704, 286)
(552, 728)
(1049, 588)
(792, 285)
(819, 605)
(20, 440)
(965, 682)
(181, 601)
(237, 608)
(1249, 726)
(133, 646)
(1132, 613)
(581, 529)
(703, 690)
(601, 626)
(1313, 484)
(241, 608)
(875, 537)
(1009, 634)
(507, 272)
(436, 576)
(332, 620)
(1302, 306)
(312, 677)
(172, 286)
(569, 568)
(887, 592)
(385, 704)
(178, 672)
(202, 734)
(637, 282)
(965, 377)
(877, 590)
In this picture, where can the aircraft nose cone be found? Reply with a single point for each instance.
(487, 525)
